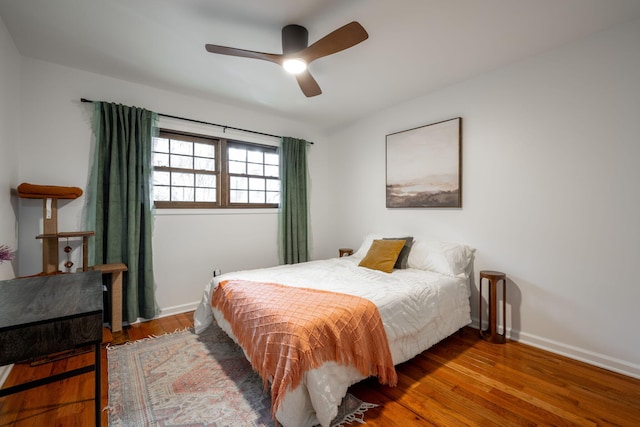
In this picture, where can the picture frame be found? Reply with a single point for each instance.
(424, 166)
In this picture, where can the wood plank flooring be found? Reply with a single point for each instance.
(460, 381)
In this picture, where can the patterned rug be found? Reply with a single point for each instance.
(184, 379)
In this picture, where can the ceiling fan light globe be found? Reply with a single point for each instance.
(294, 65)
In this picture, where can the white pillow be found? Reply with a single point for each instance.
(451, 259)
(366, 244)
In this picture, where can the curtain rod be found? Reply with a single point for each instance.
(207, 123)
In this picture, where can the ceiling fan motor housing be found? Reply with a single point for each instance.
(294, 39)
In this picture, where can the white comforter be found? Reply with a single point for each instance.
(418, 309)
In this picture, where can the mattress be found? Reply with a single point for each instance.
(418, 308)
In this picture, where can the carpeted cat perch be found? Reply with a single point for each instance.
(34, 191)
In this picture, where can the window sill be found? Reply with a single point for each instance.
(226, 211)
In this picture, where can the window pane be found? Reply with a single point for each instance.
(273, 197)
(238, 196)
(238, 154)
(161, 178)
(161, 144)
(204, 150)
(273, 185)
(161, 193)
(182, 179)
(160, 159)
(205, 195)
(256, 196)
(271, 171)
(271, 159)
(204, 164)
(237, 167)
(255, 169)
(182, 194)
(239, 183)
(255, 157)
(181, 147)
(256, 184)
(205, 180)
(183, 162)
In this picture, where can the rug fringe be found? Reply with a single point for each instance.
(355, 416)
(111, 346)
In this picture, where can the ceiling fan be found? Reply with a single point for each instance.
(297, 54)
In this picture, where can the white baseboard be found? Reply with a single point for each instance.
(5, 370)
(177, 309)
(597, 359)
(601, 360)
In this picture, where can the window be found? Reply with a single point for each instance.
(185, 171)
(196, 171)
(253, 174)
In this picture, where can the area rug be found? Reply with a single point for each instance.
(184, 379)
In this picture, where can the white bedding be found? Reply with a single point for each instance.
(418, 309)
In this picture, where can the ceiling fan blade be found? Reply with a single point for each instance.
(308, 84)
(343, 38)
(232, 51)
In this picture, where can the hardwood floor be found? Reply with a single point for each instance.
(467, 381)
(460, 381)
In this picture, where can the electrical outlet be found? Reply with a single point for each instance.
(216, 272)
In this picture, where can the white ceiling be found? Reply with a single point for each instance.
(414, 46)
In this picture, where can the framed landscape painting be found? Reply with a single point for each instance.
(424, 166)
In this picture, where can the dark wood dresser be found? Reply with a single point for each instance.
(43, 315)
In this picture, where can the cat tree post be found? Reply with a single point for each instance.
(50, 227)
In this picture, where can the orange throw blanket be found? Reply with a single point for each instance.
(34, 191)
(287, 331)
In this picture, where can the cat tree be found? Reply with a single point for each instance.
(50, 236)
(51, 241)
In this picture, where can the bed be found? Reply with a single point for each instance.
(421, 303)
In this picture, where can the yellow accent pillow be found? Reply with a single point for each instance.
(382, 255)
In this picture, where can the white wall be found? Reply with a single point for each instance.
(55, 149)
(9, 135)
(550, 191)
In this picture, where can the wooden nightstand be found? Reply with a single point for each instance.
(345, 252)
(491, 333)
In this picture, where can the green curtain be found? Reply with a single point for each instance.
(293, 224)
(119, 205)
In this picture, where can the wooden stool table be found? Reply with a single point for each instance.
(345, 252)
(491, 333)
(116, 271)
